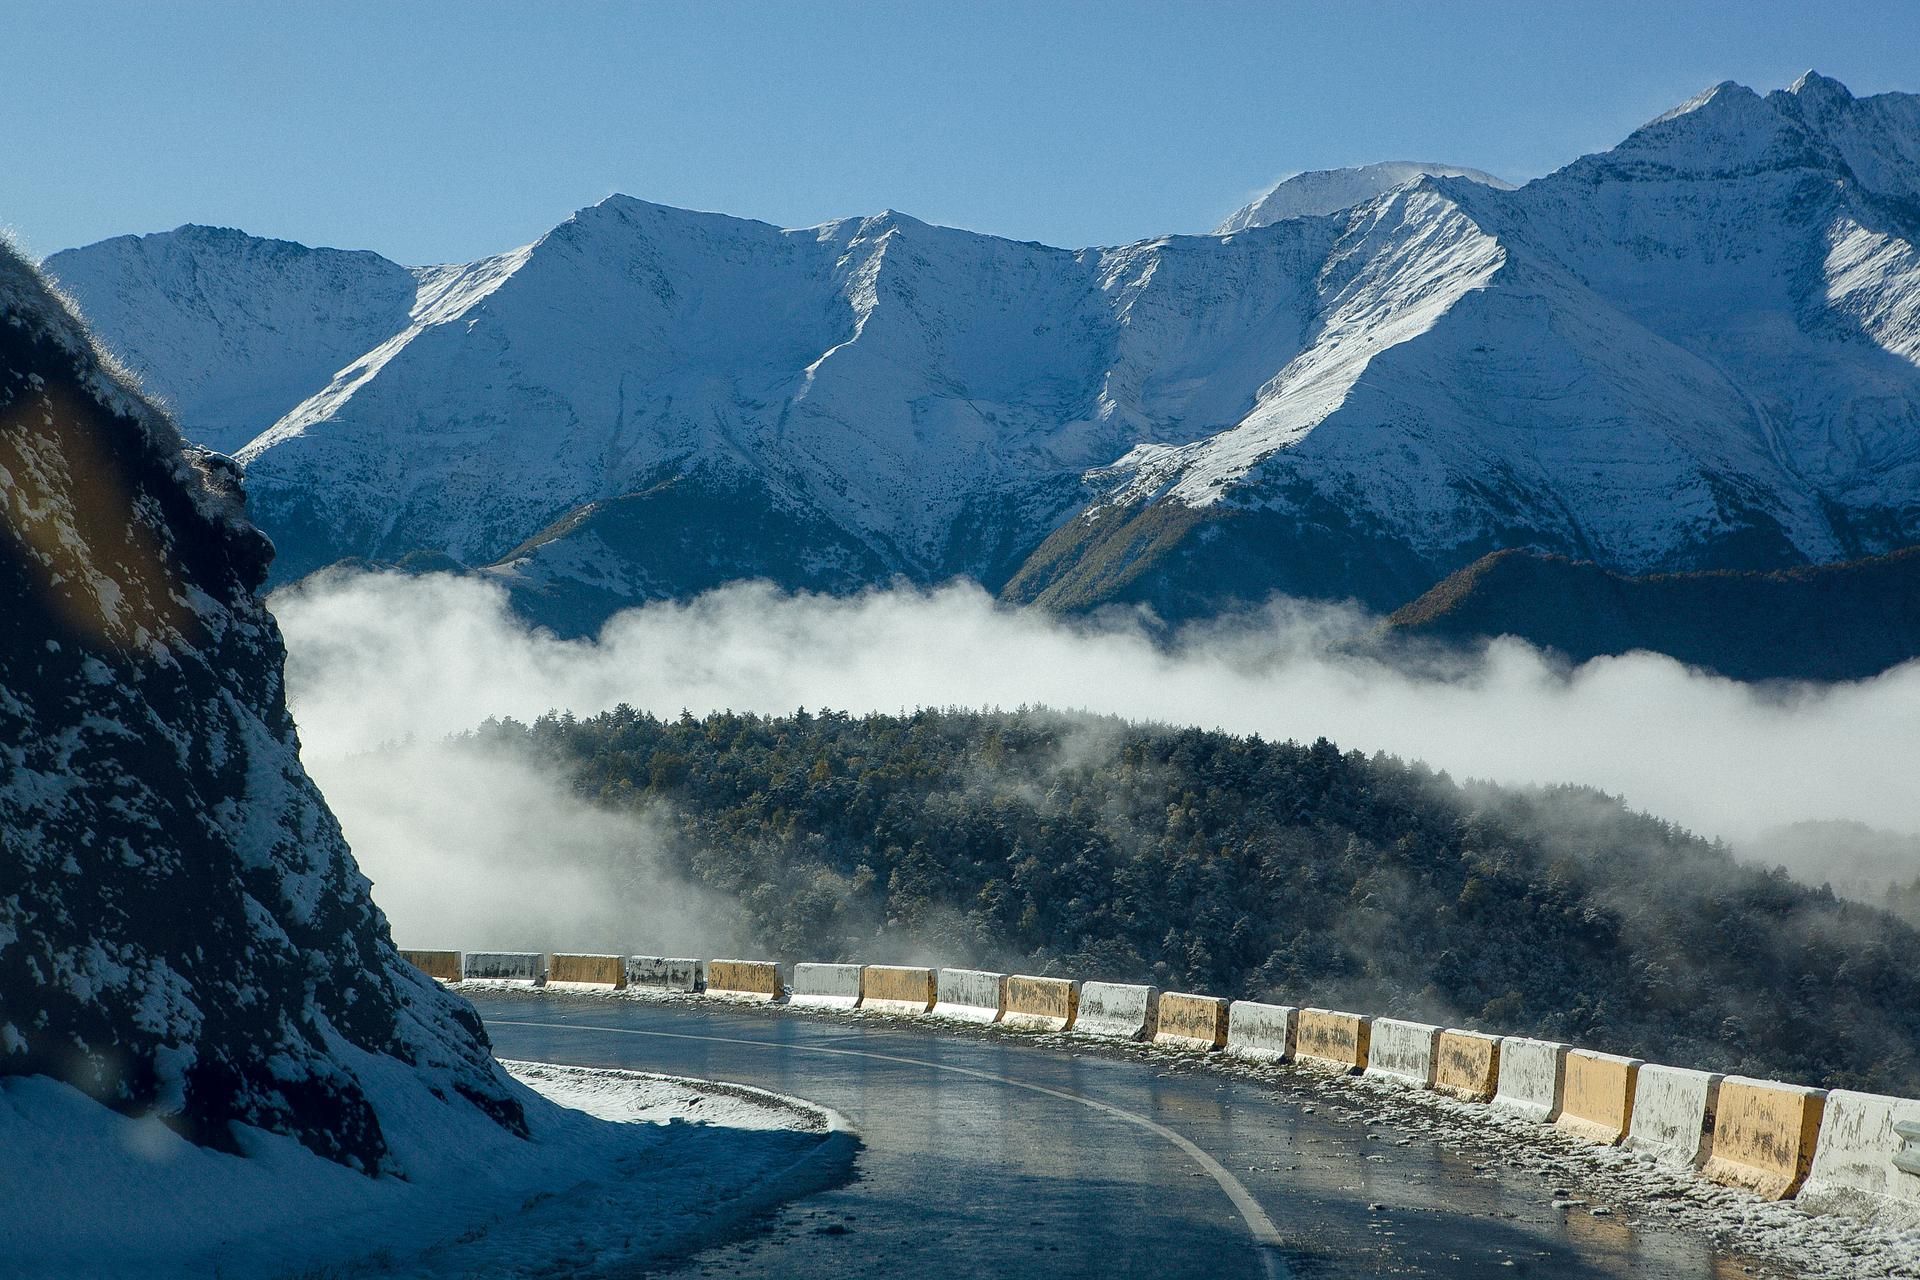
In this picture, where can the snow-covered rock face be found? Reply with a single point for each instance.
(182, 928)
(1319, 192)
(1700, 349)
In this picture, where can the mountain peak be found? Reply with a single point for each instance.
(1318, 192)
(1812, 84)
(1726, 93)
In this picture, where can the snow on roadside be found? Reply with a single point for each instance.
(622, 1167)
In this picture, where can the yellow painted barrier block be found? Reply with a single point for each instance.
(1596, 1101)
(599, 971)
(444, 965)
(1191, 1022)
(1466, 1065)
(893, 988)
(1327, 1038)
(1764, 1135)
(743, 979)
(1041, 1004)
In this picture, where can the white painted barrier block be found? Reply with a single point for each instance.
(1402, 1051)
(1531, 1075)
(1673, 1114)
(1866, 1163)
(970, 995)
(666, 973)
(1117, 1011)
(826, 986)
(505, 966)
(1261, 1032)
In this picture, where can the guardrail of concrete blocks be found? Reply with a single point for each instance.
(1673, 1114)
(1531, 1078)
(1466, 1065)
(1763, 1135)
(1117, 1011)
(1189, 1021)
(1041, 1004)
(892, 988)
(1843, 1152)
(970, 995)
(1402, 1051)
(666, 973)
(757, 980)
(581, 970)
(1866, 1160)
(441, 965)
(1327, 1038)
(504, 966)
(1261, 1032)
(826, 986)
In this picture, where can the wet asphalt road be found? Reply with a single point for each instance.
(983, 1157)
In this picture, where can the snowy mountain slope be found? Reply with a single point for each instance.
(1319, 192)
(229, 330)
(932, 395)
(183, 932)
(1699, 349)
(1696, 351)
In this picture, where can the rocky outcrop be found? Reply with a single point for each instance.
(183, 931)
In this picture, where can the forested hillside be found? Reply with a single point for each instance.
(1202, 861)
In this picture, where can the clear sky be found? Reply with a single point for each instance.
(443, 131)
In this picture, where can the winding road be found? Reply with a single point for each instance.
(987, 1154)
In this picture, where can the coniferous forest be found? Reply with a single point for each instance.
(1087, 846)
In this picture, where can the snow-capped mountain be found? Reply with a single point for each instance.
(1319, 192)
(225, 327)
(183, 932)
(1699, 349)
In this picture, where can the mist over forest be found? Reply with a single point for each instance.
(1495, 840)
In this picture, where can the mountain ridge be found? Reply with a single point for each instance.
(1698, 350)
(1845, 621)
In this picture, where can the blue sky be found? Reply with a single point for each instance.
(441, 131)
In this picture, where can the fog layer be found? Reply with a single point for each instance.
(457, 842)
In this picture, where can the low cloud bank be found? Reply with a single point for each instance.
(456, 841)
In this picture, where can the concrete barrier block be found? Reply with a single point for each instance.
(1532, 1075)
(574, 969)
(970, 995)
(504, 966)
(1041, 1004)
(826, 986)
(1402, 1051)
(666, 973)
(1596, 1095)
(1117, 1010)
(1191, 1022)
(1866, 1161)
(892, 988)
(1327, 1038)
(442, 965)
(1764, 1135)
(1466, 1065)
(1673, 1112)
(744, 980)
(1261, 1032)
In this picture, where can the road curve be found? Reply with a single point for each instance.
(988, 1154)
